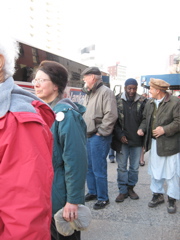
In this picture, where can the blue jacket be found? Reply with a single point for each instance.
(69, 155)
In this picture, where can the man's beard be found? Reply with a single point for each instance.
(130, 98)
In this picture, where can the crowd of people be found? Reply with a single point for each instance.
(50, 146)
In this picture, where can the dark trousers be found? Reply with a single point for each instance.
(57, 236)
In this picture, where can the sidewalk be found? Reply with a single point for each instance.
(132, 219)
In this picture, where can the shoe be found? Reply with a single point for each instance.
(112, 160)
(90, 197)
(172, 206)
(132, 194)
(121, 197)
(100, 204)
(142, 164)
(158, 198)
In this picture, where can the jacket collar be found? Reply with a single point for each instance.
(137, 97)
(166, 98)
(98, 84)
(66, 103)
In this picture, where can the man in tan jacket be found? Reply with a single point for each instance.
(100, 118)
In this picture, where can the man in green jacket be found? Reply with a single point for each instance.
(161, 126)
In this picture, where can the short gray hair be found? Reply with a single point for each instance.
(98, 77)
(9, 48)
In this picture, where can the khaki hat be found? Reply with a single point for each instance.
(81, 223)
(159, 84)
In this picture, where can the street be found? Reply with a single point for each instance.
(132, 219)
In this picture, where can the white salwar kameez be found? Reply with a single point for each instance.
(164, 168)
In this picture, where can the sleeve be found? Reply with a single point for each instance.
(109, 108)
(173, 127)
(118, 132)
(72, 137)
(143, 124)
(26, 180)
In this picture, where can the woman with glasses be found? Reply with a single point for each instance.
(69, 154)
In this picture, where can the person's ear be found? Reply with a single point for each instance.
(94, 79)
(55, 87)
(158, 91)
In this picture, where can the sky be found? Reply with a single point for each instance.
(140, 34)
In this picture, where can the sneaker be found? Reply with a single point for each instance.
(90, 197)
(157, 199)
(172, 206)
(100, 204)
(132, 194)
(121, 197)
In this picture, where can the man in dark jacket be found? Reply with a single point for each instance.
(127, 144)
(161, 126)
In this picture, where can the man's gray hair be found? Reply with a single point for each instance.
(9, 48)
(98, 77)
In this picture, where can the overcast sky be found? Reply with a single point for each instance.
(139, 33)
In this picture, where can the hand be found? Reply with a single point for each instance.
(98, 134)
(124, 140)
(140, 132)
(158, 132)
(70, 212)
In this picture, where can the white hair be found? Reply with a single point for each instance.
(9, 48)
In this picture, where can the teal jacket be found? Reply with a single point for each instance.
(69, 154)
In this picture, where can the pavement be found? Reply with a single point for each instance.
(132, 219)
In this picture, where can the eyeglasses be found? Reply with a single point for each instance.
(39, 81)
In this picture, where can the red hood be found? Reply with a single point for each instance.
(45, 111)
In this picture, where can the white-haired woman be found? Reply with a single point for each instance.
(25, 156)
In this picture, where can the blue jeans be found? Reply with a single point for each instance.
(127, 176)
(98, 148)
(111, 154)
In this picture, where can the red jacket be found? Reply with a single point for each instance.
(26, 174)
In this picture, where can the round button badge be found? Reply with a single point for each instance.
(60, 116)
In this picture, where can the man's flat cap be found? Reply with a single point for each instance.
(159, 84)
(91, 70)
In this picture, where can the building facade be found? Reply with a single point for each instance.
(117, 75)
(36, 22)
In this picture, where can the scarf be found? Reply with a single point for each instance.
(15, 99)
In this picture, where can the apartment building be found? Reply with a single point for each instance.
(36, 22)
